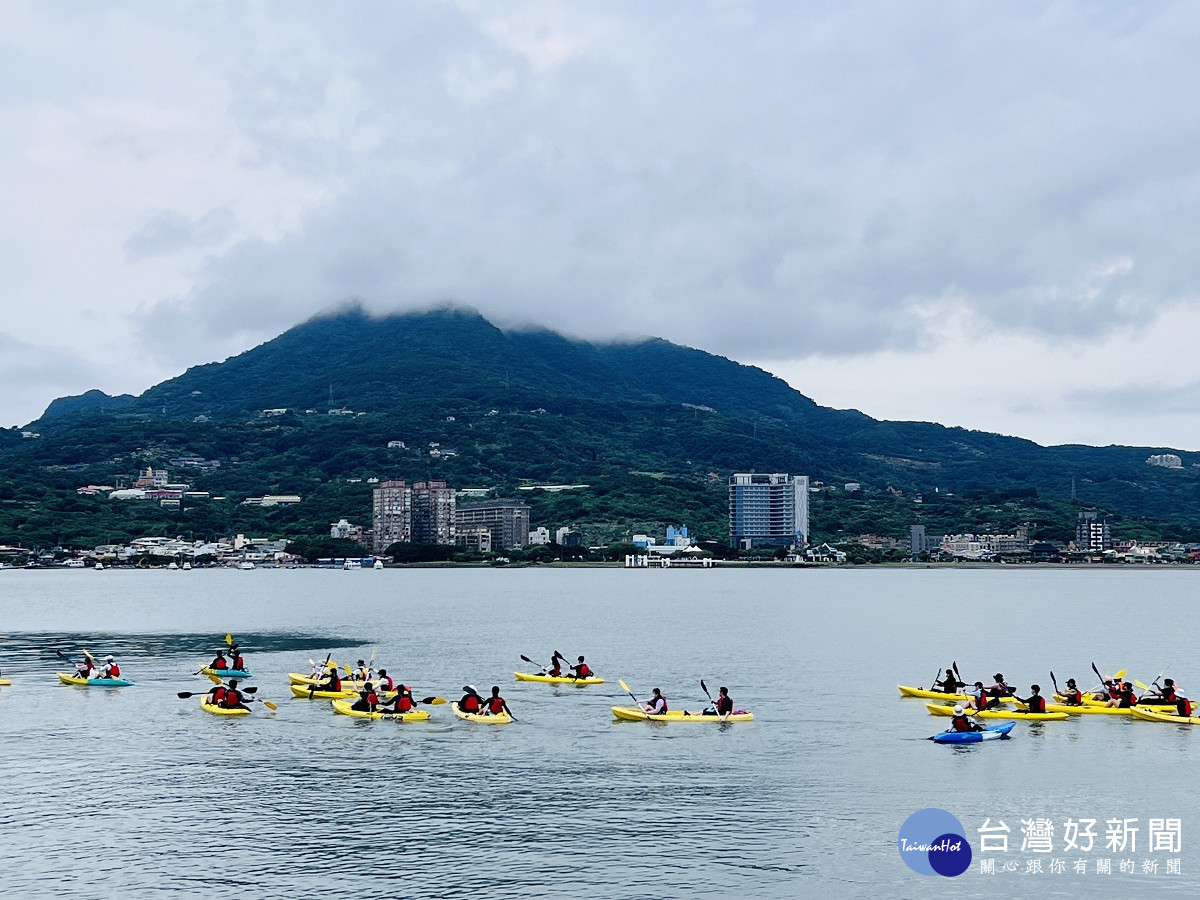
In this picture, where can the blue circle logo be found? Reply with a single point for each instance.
(932, 842)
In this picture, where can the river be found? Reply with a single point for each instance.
(138, 793)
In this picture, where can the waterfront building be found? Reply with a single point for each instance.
(391, 515)
(919, 542)
(769, 510)
(345, 531)
(433, 513)
(539, 535)
(508, 521)
(1092, 534)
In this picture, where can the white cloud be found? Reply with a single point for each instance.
(813, 186)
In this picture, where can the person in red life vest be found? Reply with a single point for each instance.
(495, 705)
(554, 670)
(960, 722)
(216, 697)
(979, 697)
(471, 702)
(233, 697)
(582, 670)
(1167, 694)
(332, 682)
(1112, 691)
(1035, 703)
(237, 662)
(997, 691)
(656, 705)
(111, 669)
(385, 682)
(1183, 707)
(85, 669)
(220, 663)
(722, 706)
(1125, 698)
(368, 700)
(1072, 696)
(403, 701)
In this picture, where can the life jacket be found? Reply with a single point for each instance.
(1114, 692)
(404, 703)
(334, 684)
(1037, 704)
(232, 699)
(556, 671)
(469, 703)
(1168, 694)
(1003, 691)
(724, 705)
(1073, 697)
(1183, 706)
(961, 723)
(659, 701)
(1124, 701)
(219, 663)
(237, 663)
(585, 671)
(370, 698)
(114, 671)
(495, 705)
(980, 698)
(218, 695)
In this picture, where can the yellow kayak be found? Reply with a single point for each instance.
(501, 719)
(557, 679)
(1150, 715)
(92, 682)
(1089, 700)
(306, 693)
(938, 710)
(925, 694)
(221, 710)
(298, 678)
(629, 714)
(344, 707)
(1089, 710)
(5, 682)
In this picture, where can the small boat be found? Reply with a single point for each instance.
(221, 710)
(501, 719)
(246, 566)
(557, 679)
(187, 567)
(378, 564)
(346, 708)
(629, 714)
(92, 682)
(936, 709)
(99, 567)
(990, 733)
(226, 673)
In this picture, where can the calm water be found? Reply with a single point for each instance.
(136, 792)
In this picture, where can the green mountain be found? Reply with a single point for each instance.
(653, 428)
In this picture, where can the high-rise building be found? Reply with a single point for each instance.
(432, 513)
(508, 520)
(1092, 532)
(391, 515)
(768, 510)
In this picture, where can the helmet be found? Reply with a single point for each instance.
(958, 709)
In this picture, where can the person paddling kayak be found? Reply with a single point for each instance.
(367, 700)
(950, 684)
(332, 682)
(363, 672)
(237, 662)
(219, 663)
(233, 697)
(656, 705)
(582, 670)
(111, 669)
(85, 669)
(403, 701)
(1125, 697)
(960, 722)
(495, 705)
(1112, 690)
(385, 682)
(216, 697)
(471, 702)
(979, 697)
(1035, 702)
(722, 706)
(1072, 696)
(554, 670)
(996, 691)
(1166, 694)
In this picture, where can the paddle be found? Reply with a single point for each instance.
(936, 678)
(704, 687)
(626, 689)
(1053, 682)
(957, 677)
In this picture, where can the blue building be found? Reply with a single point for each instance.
(768, 510)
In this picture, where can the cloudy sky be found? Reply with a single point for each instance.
(980, 214)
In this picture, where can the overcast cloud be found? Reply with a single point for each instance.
(980, 214)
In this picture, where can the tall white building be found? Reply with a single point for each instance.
(768, 510)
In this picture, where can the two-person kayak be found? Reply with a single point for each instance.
(92, 682)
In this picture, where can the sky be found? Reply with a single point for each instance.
(979, 214)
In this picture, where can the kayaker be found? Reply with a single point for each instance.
(111, 669)
(960, 722)
(471, 702)
(722, 706)
(495, 705)
(1035, 702)
(220, 663)
(950, 684)
(363, 672)
(554, 670)
(1072, 696)
(332, 682)
(403, 701)
(1183, 707)
(233, 697)
(236, 661)
(582, 670)
(1166, 694)
(217, 695)
(656, 705)
(385, 682)
(367, 700)
(85, 669)
(1111, 691)
(1125, 698)
(997, 691)
(979, 697)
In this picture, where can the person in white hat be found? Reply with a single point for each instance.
(960, 722)
(111, 669)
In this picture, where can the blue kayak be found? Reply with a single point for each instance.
(93, 682)
(226, 673)
(990, 733)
